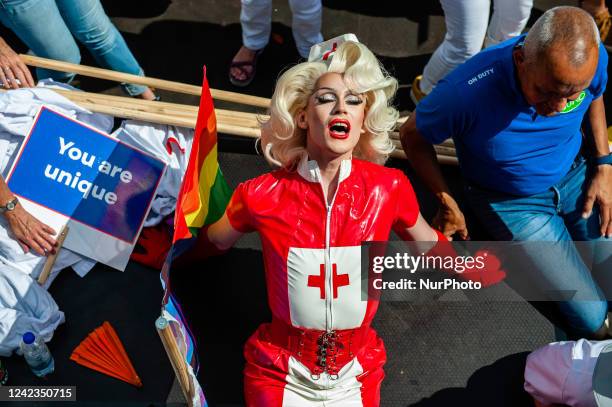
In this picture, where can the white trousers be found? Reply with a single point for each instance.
(466, 31)
(256, 21)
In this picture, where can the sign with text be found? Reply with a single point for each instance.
(105, 187)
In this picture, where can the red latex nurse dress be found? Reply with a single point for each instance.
(319, 349)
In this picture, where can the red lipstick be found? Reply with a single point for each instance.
(339, 128)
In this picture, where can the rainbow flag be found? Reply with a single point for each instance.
(202, 199)
(204, 193)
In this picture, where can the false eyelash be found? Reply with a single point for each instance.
(325, 99)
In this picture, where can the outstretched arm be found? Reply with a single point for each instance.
(213, 240)
(421, 231)
(221, 234)
(27, 230)
(434, 243)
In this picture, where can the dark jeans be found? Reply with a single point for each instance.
(553, 216)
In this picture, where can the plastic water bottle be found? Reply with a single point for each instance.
(37, 355)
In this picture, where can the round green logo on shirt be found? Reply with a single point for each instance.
(573, 104)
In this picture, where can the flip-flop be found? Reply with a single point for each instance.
(249, 76)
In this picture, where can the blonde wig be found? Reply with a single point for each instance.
(284, 143)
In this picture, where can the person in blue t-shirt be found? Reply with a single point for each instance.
(515, 113)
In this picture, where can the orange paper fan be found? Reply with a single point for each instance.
(103, 351)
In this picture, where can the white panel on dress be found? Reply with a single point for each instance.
(308, 300)
(302, 390)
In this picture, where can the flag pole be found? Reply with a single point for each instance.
(46, 271)
(176, 359)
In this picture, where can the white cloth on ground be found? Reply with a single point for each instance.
(562, 372)
(24, 306)
(18, 109)
(170, 144)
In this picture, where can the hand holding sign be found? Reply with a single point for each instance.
(30, 232)
(27, 230)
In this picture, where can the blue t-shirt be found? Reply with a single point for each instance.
(501, 142)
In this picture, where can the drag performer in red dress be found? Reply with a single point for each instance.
(328, 131)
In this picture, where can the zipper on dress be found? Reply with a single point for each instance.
(329, 281)
(329, 317)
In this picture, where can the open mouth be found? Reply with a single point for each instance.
(339, 128)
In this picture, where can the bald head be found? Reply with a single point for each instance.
(569, 32)
(558, 59)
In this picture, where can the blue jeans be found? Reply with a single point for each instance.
(48, 26)
(554, 216)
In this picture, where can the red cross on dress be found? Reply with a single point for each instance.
(319, 281)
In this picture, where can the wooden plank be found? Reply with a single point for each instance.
(173, 86)
(228, 122)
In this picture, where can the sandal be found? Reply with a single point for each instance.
(249, 76)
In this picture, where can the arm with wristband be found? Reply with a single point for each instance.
(600, 187)
(26, 229)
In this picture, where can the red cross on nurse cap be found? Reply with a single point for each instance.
(323, 51)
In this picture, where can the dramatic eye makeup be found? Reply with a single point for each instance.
(329, 96)
(353, 99)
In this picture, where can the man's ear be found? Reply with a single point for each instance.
(519, 57)
(301, 121)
